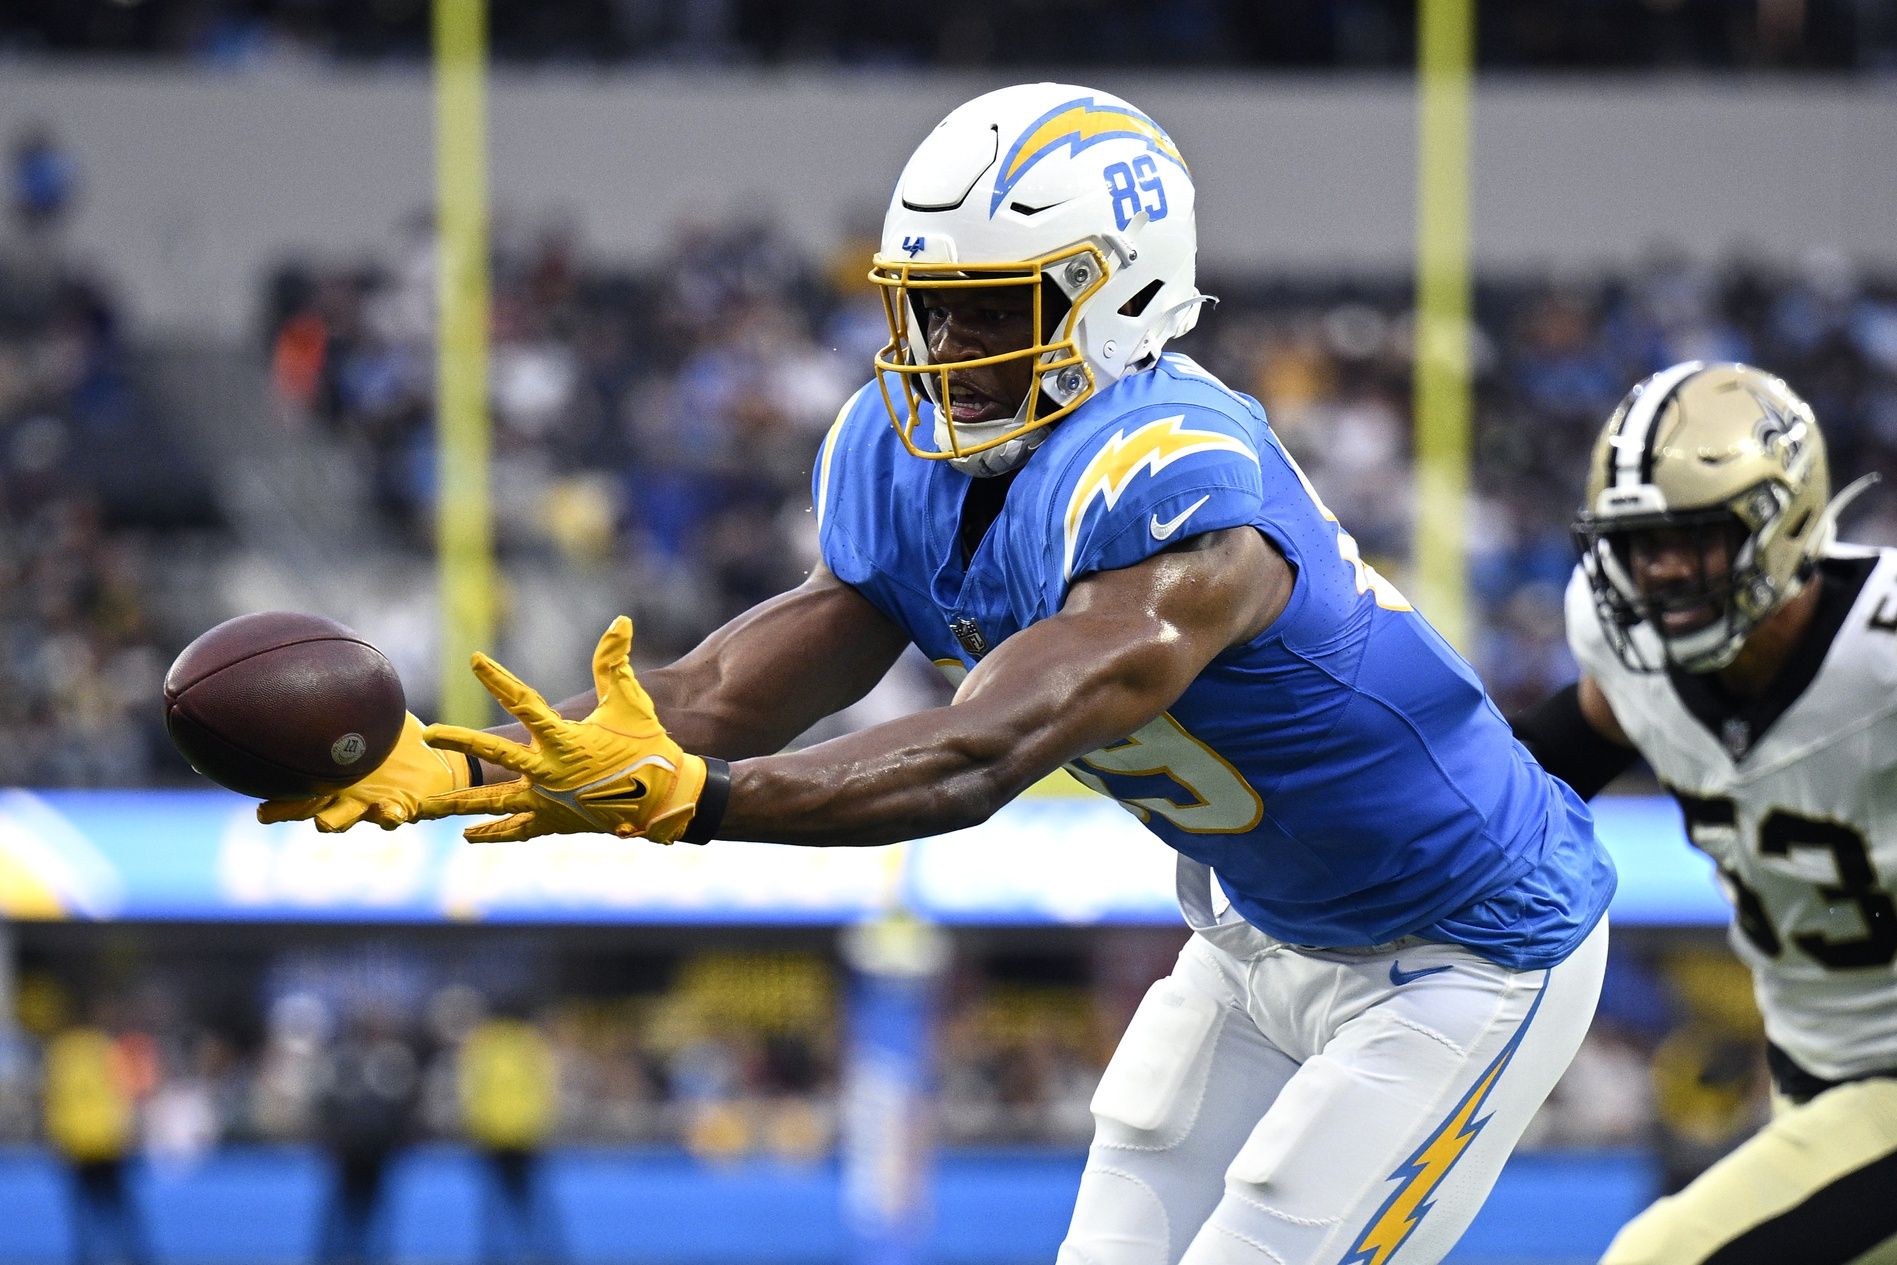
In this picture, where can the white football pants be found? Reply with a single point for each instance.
(1296, 1106)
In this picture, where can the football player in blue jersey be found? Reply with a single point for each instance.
(1399, 915)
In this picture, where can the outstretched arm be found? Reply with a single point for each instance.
(776, 670)
(747, 689)
(1121, 650)
(765, 677)
(1576, 736)
(1126, 644)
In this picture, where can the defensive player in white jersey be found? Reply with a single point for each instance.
(1723, 635)
(1400, 916)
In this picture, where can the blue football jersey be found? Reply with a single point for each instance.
(1344, 773)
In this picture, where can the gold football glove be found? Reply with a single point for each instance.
(391, 795)
(615, 772)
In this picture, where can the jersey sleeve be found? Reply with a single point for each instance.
(836, 487)
(1153, 482)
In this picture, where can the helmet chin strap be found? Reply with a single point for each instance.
(986, 464)
(999, 460)
(990, 462)
(1708, 649)
(1827, 529)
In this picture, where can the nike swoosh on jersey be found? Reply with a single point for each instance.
(1123, 457)
(1400, 977)
(1163, 530)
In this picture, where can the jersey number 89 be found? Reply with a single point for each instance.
(1136, 187)
(1218, 801)
(1221, 803)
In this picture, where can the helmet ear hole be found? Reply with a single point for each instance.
(1137, 305)
(1054, 308)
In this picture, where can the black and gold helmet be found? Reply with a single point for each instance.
(1723, 461)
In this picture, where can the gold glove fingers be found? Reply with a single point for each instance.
(391, 795)
(486, 746)
(615, 771)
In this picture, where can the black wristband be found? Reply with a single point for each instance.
(474, 772)
(711, 803)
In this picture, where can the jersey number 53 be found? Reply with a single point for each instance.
(1711, 824)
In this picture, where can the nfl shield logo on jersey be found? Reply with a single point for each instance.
(969, 634)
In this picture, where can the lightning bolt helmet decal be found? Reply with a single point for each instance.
(1077, 124)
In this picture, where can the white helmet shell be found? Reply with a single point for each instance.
(1041, 181)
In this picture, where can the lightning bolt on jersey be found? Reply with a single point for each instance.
(1343, 774)
(1794, 796)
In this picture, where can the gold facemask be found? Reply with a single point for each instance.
(1078, 271)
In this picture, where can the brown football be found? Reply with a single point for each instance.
(281, 705)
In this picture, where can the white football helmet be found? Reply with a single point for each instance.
(1065, 190)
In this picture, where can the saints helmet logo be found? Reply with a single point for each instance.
(1779, 434)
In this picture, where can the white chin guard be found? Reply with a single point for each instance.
(1001, 459)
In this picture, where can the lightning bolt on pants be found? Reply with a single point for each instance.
(1274, 1105)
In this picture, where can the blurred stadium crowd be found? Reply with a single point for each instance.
(79, 655)
(1363, 34)
(391, 1042)
(657, 425)
(654, 430)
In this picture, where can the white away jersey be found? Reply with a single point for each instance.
(1794, 796)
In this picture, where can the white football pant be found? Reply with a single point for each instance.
(1296, 1106)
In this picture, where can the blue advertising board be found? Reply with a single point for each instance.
(1047, 859)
